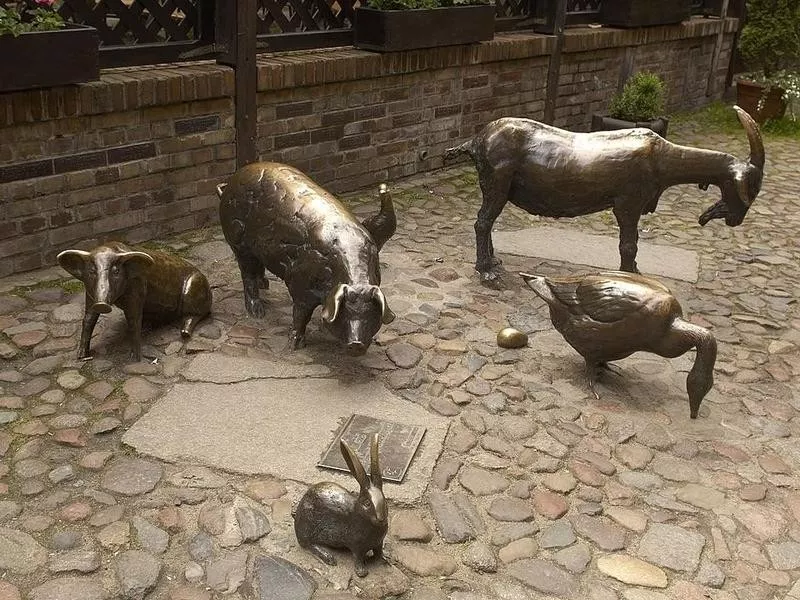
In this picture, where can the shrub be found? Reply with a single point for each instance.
(770, 39)
(18, 18)
(642, 98)
(770, 47)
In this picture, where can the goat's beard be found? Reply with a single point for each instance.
(718, 210)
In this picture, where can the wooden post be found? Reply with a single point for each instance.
(711, 86)
(627, 67)
(734, 65)
(236, 36)
(554, 67)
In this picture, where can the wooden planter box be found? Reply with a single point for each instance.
(748, 95)
(606, 123)
(644, 13)
(49, 58)
(394, 30)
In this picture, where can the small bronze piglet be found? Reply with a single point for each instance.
(147, 285)
(329, 515)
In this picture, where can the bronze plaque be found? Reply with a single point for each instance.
(398, 443)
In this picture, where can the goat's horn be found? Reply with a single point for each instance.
(753, 136)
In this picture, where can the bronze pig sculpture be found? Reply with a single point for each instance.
(555, 173)
(275, 217)
(329, 515)
(609, 316)
(147, 285)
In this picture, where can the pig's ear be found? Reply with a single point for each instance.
(74, 262)
(387, 316)
(135, 261)
(333, 303)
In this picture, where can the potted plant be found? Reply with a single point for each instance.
(644, 13)
(770, 47)
(639, 104)
(40, 49)
(393, 25)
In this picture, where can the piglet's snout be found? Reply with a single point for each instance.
(101, 307)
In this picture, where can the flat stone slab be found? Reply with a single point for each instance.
(568, 245)
(216, 368)
(278, 579)
(279, 427)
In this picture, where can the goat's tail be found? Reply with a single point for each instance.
(465, 148)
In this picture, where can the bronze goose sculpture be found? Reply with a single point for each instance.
(609, 316)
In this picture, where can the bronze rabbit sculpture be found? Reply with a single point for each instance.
(329, 515)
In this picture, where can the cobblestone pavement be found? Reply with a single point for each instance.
(541, 491)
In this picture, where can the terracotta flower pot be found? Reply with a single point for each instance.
(748, 95)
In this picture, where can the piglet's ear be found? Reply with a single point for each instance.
(74, 262)
(135, 261)
(333, 303)
(387, 316)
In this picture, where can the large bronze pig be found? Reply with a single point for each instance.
(150, 285)
(276, 218)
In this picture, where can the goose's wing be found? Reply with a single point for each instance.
(563, 291)
(610, 299)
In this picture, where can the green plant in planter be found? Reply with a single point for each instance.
(412, 4)
(18, 18)
(770, 46)
(642, 98)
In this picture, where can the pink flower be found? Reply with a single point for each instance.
(45, 2)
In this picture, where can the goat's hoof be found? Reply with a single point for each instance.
(491, 279)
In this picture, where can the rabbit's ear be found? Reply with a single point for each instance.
(354, 465)
(374, 466)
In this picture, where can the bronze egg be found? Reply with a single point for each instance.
(511, 338)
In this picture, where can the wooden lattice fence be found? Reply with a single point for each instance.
(152, 31)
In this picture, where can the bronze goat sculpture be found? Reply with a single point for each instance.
(555, 173)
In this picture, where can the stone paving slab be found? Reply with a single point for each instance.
(279, 427)
(210, 368)
(577, 247)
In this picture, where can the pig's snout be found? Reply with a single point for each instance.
(356, 348)
(101, 307)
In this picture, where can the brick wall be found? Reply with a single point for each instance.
(138, 154)
(131, 157)
(365, 118)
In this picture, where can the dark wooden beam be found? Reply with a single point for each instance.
(144, 54)
(711, 85)
(246, 81)
(737, 9)
(626, 70)
(554, 67)
(236, 42)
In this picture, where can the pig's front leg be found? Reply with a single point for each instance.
(253, 278)
(301, 315)
(133, 307)
(89, 321)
